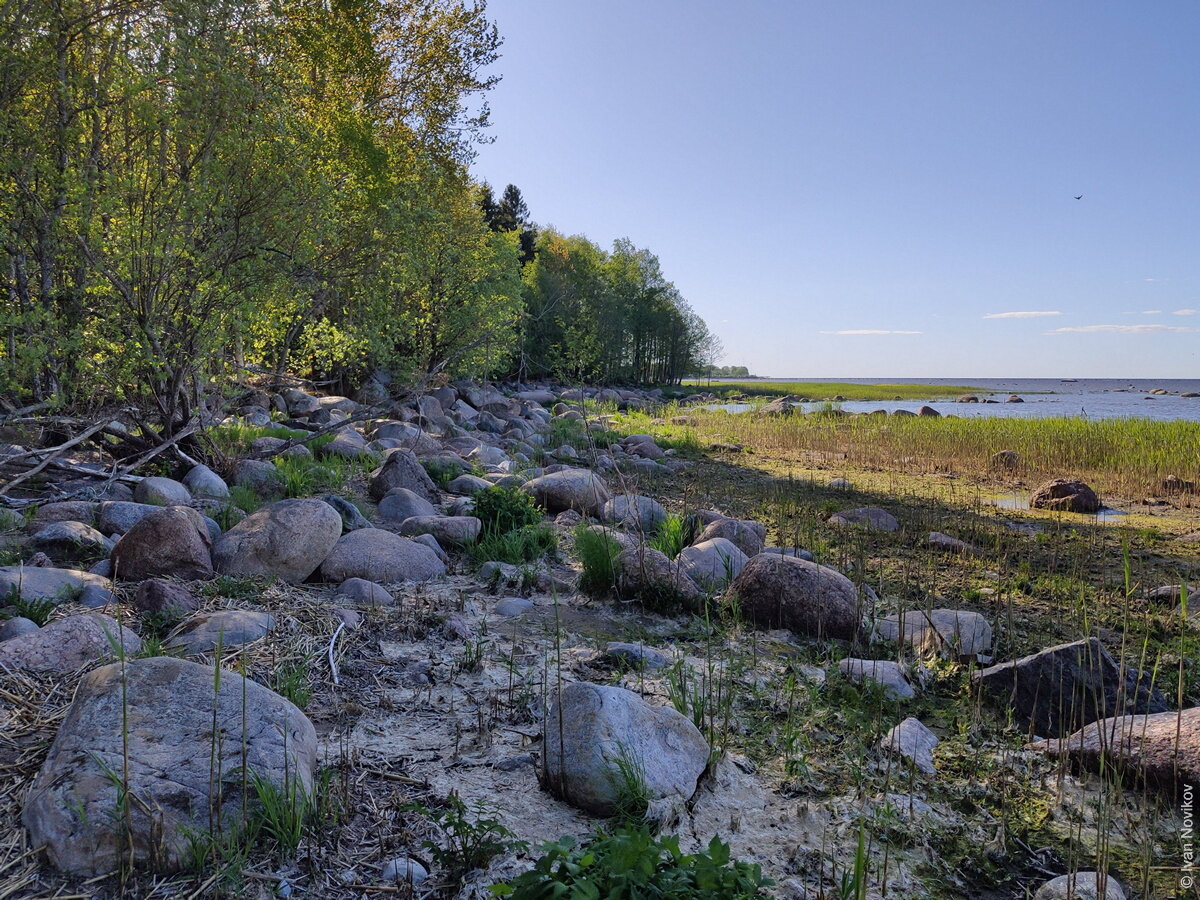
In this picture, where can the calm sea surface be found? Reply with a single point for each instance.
(1095, 398)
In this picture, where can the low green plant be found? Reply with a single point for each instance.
(244, 498)
(633, 793)
(441, 471)
(291, 680)
(671, 536)
(501, 510)
(597, 552)
(471, 836)
(523, 545)
(36, 609)
(631, 862)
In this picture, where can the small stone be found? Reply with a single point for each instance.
(368, 593)
(636, 656)
(890, 675)
(914, 742)
(512, 606)
(161, 597)
(1079, 886)
(404, 870)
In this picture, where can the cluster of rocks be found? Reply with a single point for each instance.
(1075, 700)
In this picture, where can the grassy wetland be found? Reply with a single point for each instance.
(1041, 578)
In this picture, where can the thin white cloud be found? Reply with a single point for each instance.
(1186, 312)
(1151, 312)
(1118, 329)
(1024, 315)
(860, 331)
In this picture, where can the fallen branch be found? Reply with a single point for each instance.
(52, 453)
(332, 662)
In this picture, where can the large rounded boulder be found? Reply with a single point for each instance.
(599, 738)
(578, 489)
(778, 591)
(288, 540)
(748, 536)
(144, 730)
(716, 561)
(382, 557)
(169, 542)
(1066, 495)
(635, 512)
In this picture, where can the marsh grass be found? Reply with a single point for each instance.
(1119, 457)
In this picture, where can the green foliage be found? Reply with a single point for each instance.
(502, 510)
(441, 471)
(672, 535)
(471, 836)
(35, 609)
(291, 680)
(523, 545)
(597, 552)
(244, 498)
(631, 862)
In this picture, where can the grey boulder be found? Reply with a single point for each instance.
(68, 644)
(714, 562)
(913, 741)
(287, 540)
(890, 676)
(777, 591)
(44, 583)
(578, 489)
(635, 512)
(224, 628)
(380, 556)
(953, 633)
(869, 517)
(204, 482)
(161, 492)
(593, 732)
(399, 504)
(402, 469)
(70, 542)
(184, 742)
(448, 530)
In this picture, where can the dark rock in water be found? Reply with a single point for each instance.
(967, 398)
(1061, 689)
(929, 412)
(1067, 495)
(1013, 398)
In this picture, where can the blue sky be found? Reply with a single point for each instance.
(854, 189)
